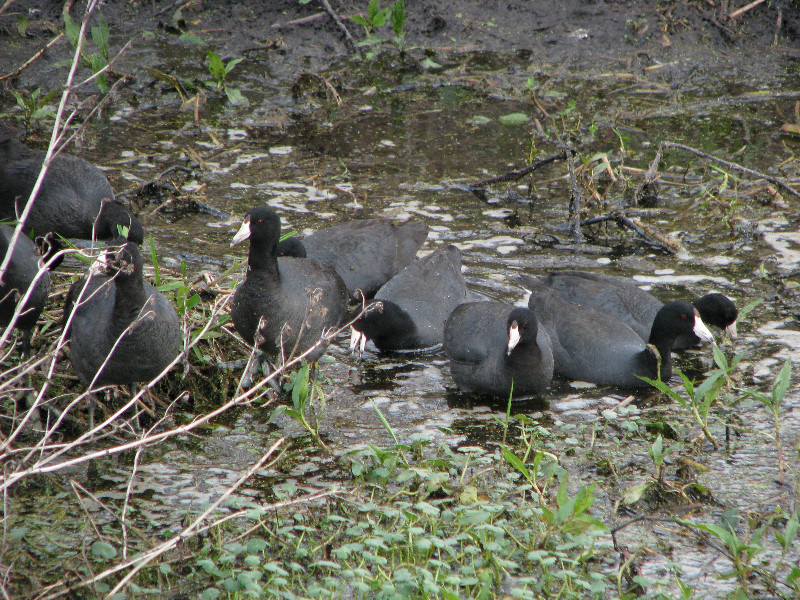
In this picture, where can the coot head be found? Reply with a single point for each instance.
(262, 226)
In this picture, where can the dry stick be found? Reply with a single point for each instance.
(20, 308)
(188, 532)
(577, 200)
(341, 26)
(635, 225)
(744, 9)
(39, 398)
(6, 5)
(88, 436)
(652, 172)
(301, 21)
(193, 529)
(519, 173)
(32, 59)
(44, 466)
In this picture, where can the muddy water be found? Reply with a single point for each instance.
(403, 146)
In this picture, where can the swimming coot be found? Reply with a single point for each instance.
(492, 345)
(116, 313)
(365, 253)
(75, 199)
(589, 345)
(409, 311)
(299, 299)
(622, 299)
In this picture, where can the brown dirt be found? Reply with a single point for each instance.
(571, 33)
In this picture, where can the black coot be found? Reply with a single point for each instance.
(589, 345)
(409, 311)
(19, 276)
(492, 345)
(75, 199)
(298, 298)
(622, 299)
(366, 253)
(117, 313)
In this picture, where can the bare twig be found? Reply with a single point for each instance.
(301, 21)
(519, 173)
(327, 5)
(651, 237)
(744, 9)
(32, 59)
(652, 171)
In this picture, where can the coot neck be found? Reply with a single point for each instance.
(663, 342)
(523, 355)
(128, 301)
(263, 257)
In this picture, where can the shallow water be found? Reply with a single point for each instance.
(404, 146)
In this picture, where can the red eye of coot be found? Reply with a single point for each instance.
(260, 222)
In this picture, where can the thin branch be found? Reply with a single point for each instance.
(340, 25)
(652, 171)
(519, 173)
(744, 9)
(32, 59)
(576, 200)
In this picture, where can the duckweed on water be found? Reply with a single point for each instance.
(451, 526)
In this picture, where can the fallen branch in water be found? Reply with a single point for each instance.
(576, 199)
(654, 238)
(518, 174)
(652, 173)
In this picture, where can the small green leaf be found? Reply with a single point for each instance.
(103, 550)
(215, 66)
(381, 18)
(516, 463)
(154, 258)
(71, 29)
(429, 63)
(399, 16)
(372, 9)
(514, 119)
(236, 97)
(782, 382)
(634, 493)
(232, 63)
(210, 594)
(22, 24)
(479, 120)
(469, 495)
(192, 38)
(100, 36)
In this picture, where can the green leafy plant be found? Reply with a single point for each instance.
(378, 17)
(658, 453)
(34, 105)
(97, 60)
(305, 389)
(740, 551)
(188, 305)
(774, 404)
(219, 71)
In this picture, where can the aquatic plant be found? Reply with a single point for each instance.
(378, 17)
(219, 71)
